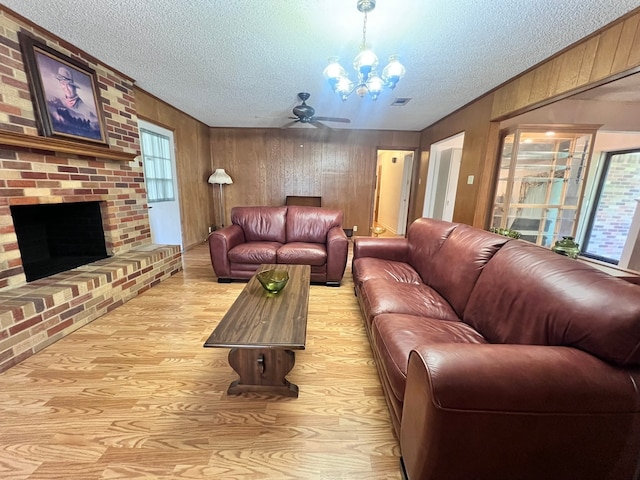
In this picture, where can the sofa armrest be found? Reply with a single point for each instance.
(518, 411)
(220, 242)
(337, 251)
(395, 249)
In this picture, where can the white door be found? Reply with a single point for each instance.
(159, 160)
(404, 196)
(451, 187)
(442, 178)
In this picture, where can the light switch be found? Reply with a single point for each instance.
(470, 180)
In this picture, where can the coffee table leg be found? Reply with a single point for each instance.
(262, 370)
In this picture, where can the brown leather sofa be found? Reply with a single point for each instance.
(281, 235)
(499, 359)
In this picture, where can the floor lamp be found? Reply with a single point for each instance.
(220, 178)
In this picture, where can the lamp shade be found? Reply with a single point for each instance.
(220, 177)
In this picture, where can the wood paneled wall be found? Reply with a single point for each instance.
(612, 52)
(193, 164)
(478, 153)
(340, 165)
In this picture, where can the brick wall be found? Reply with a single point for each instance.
(39, 313)
(29, 176)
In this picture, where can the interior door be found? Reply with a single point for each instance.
(445, 186)
(404, 196)
(376, 207)
(158, 154)
(393, 187)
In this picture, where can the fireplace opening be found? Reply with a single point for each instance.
(56, 237)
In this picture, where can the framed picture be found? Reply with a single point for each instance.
(64, 92)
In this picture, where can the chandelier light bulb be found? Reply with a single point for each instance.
(393, 72)
(365, 62)
(334, 69)
(343, 87)
(375, 85)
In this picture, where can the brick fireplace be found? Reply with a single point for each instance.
(55, 237)
(35, 170)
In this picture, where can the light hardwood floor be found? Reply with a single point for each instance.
(135, 395)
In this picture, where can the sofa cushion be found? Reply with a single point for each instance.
(457, 265)
(368, 268)
(426, 236)
(527, 294)
(261, 224)
(378, 296)
(311, 224)
(394, 336)
(254, 252)
(301, 253)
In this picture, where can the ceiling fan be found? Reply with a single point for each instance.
(306, 114)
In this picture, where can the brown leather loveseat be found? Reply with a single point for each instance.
(281, 235)
(499, 359)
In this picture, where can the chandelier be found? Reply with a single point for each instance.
(365, 65)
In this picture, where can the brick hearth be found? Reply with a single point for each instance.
(39, 313)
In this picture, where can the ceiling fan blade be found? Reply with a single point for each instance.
(317, 124)
(332, 119)
(287, 125)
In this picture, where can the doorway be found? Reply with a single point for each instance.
(393, 187)
(442, 178)
(158, 155)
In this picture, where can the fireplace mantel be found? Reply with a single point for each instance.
(63, 146)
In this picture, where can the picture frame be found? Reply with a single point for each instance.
(65, 93)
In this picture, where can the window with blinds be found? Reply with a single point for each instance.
(156, 158)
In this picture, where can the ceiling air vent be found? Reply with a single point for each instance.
(400, 102)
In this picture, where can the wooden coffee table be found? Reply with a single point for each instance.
(262, 330)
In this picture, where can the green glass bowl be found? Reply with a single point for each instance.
(273, 280)
(378, 230)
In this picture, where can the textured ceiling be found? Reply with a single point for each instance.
(240, 63)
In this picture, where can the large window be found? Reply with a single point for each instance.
(157, 166)
(615, 204)
(540, 182)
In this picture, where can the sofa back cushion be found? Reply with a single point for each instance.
(261, 224)
(459, 262)
(426, 236)
(529, 295)
(311, 224)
